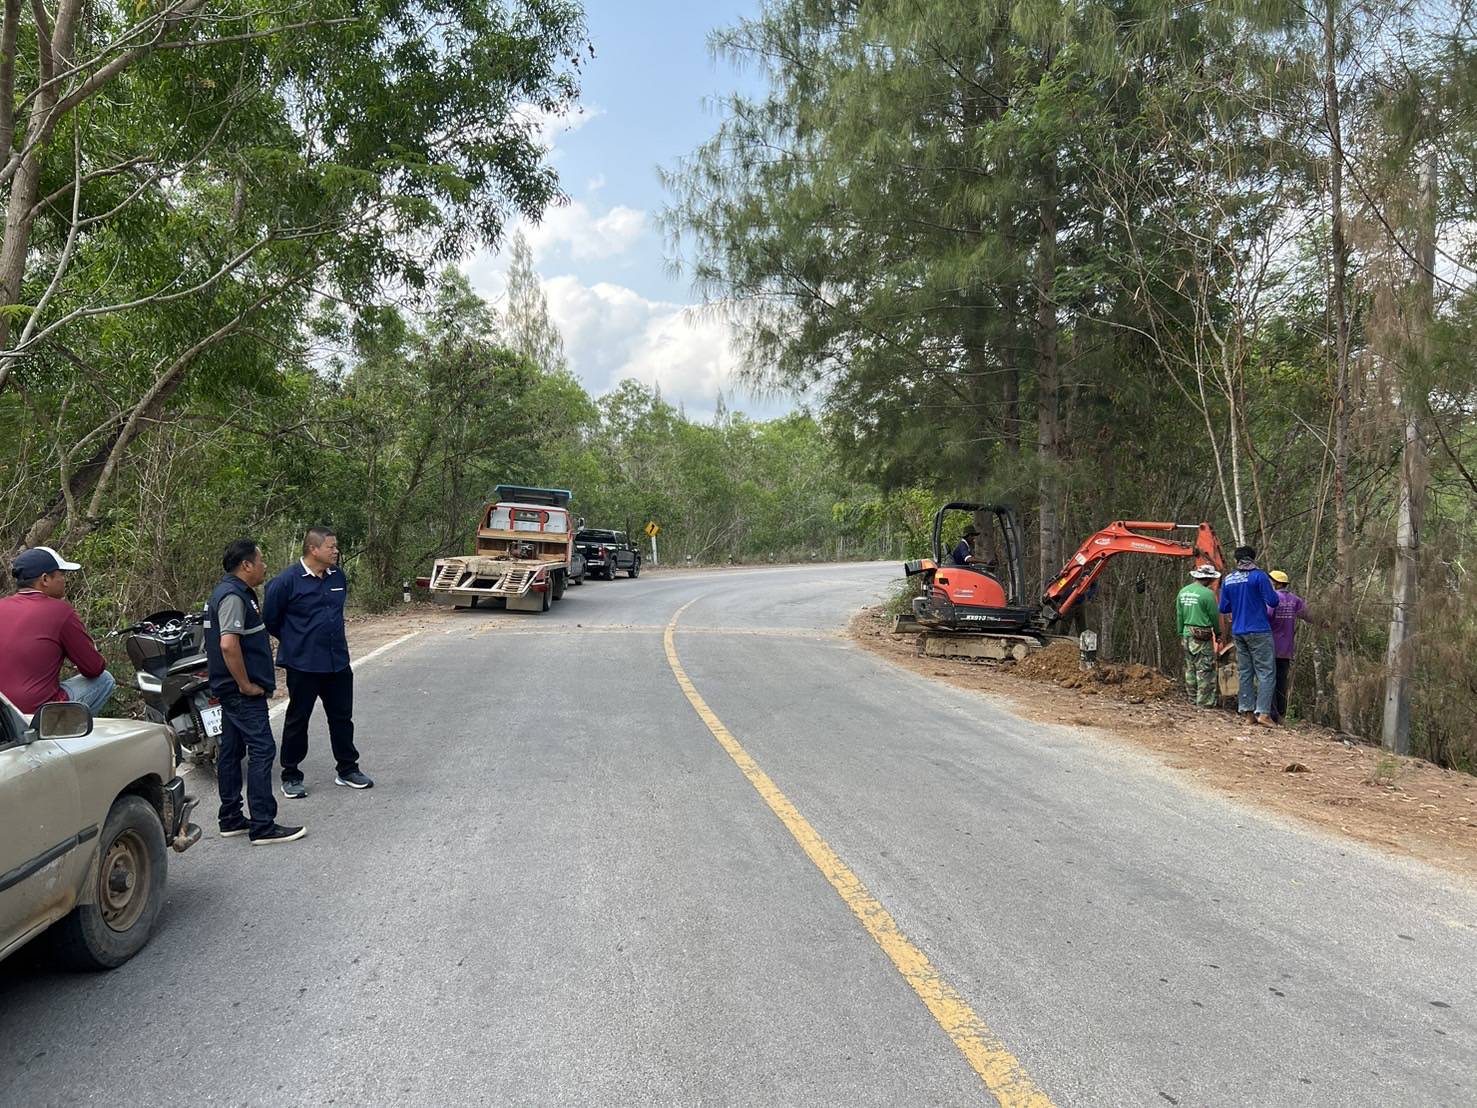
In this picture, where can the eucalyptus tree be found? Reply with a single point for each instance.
(183, 181)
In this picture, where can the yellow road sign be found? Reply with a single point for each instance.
(653, 528)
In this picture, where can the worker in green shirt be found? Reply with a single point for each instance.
(1196, 616)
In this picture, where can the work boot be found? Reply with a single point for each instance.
(1266, 721)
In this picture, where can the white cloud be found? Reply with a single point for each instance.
(549, 126)
(612, 332)
(575, 231)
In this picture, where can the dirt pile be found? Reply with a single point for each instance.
(1060, 663)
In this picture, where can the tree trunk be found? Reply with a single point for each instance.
(1333, 114)
(1048, 386)
(1338, 297)
(1405, 588)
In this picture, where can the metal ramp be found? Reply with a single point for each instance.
(515, 582)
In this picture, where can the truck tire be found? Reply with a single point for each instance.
(128, 890)
(635, 570)
(559, 585)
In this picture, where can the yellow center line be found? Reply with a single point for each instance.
(1000, 1070)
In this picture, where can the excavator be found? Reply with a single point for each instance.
(987, 596)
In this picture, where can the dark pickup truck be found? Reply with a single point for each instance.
(607, 553)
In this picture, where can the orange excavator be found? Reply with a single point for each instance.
(987, 595)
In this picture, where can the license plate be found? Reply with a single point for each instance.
(211, 717)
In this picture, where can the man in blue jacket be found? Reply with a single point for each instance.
(1247, 595)
(305, 611)
(239, 659)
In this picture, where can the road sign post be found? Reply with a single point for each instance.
(652, 529)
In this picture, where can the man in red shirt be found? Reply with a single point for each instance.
(38, 630)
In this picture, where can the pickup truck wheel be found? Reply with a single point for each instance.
(635, 570)
(128, 889)
(558, 586)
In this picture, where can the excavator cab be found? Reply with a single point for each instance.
(986, 594)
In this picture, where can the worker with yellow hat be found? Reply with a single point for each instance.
(1289, 609)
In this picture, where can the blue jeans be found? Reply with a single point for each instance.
(95, 692)
(246, 732)
(1256, 662)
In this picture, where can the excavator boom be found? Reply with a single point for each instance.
(1077, 577)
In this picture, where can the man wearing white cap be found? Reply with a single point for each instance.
(1196, 618)
(40, 630)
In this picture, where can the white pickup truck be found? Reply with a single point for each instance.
(88, 809)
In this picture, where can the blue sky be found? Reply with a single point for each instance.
(602, 257)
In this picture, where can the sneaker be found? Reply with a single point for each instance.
(294, 790)
(277, 834)
(230, 828)
(354, 780)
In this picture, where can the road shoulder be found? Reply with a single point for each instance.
(1404, 805)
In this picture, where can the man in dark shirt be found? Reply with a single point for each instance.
(40, 630)
(963, 554)
(239, 656)
(305, 611)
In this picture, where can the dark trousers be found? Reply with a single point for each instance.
(336, 690)
(1279, 699)
(246, 732)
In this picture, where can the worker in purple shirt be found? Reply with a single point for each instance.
(1248, 597)
(1290, 608)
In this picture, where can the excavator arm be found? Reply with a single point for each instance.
(1071, 585)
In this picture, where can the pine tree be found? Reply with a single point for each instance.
(528, 329)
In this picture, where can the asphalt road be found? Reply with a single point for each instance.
(565, 890)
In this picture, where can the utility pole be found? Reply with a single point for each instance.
(1405, 586)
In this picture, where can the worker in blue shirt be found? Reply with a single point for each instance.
(304, 610)
(1248, 597)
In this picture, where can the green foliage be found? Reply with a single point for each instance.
(1078, 257)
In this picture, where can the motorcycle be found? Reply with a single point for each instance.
(167, 650)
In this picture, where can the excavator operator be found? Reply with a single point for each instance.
(963, 554)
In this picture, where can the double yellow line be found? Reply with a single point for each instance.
(1000, 1070)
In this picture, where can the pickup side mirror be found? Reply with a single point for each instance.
(62, 720)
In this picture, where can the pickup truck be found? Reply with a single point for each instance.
(608, 553)
(88, 809)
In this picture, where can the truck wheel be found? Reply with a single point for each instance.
(128, 889)
(635, 570)
(545, 595)
(559, 586)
